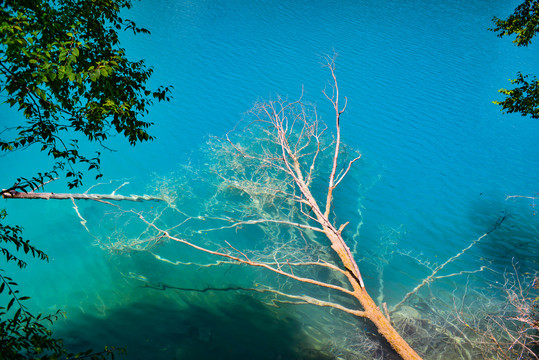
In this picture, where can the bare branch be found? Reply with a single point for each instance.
(436, 270)
(310, 300)
(261, 221)
(84, 196)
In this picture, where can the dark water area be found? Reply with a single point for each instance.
(234, 327)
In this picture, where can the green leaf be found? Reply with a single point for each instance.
(63, 55)
(10, 304)
(17, 314)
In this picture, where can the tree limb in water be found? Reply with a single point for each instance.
(84, 196)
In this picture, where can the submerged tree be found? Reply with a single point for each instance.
(267, 202)
(264, 198)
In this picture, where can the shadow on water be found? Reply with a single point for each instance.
(237, 327)
(515, 240)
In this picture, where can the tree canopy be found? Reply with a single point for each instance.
(524, 22)
(62, 66)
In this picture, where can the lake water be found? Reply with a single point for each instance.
(438, 161)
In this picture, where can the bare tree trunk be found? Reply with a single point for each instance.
(374, 314)
(370, 310)
(84, 196)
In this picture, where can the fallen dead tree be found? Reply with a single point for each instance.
(83, 196)
(12, 193)
(269, 198)
(274, 177)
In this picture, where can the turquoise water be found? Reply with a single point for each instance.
(438, 161)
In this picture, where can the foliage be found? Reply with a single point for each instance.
(524, 22)
(22, 334)
(523, 99)
(62, 66)
(11, 234)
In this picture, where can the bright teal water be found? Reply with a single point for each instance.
(438, 159)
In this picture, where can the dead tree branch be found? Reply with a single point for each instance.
(83, 196)
(433, 276)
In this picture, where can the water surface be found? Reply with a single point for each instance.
(438, 161)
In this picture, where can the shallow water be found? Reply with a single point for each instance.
(438, 160)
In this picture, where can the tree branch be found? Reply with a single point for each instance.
(84, 196)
